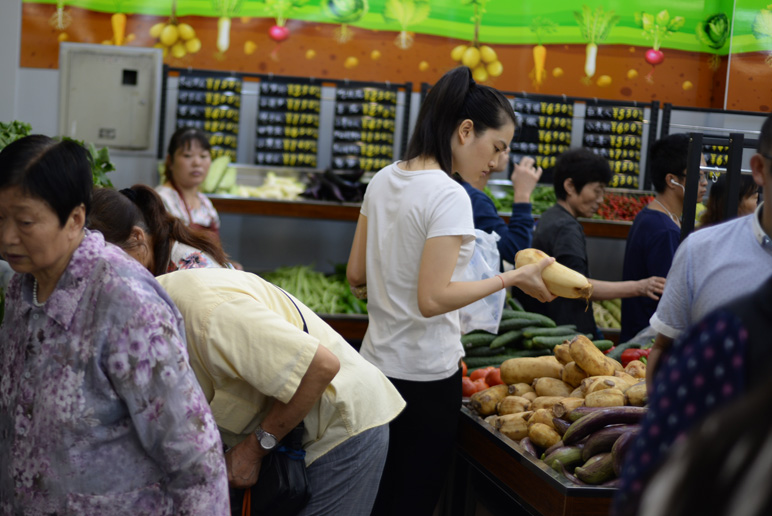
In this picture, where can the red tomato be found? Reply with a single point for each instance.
(479, 374)
(494, 377)
(467, 387)
(463, 368)
(480, 384)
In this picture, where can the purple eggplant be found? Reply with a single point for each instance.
(598, 419)
(620, 448)
(602, 440)
(528, 446)
(561, 425)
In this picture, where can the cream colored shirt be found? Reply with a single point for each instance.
(247, 347)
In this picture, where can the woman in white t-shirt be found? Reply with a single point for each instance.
(136, 220)
(414, 235)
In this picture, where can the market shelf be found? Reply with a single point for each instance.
(299, 209)
(326, 210)
(486, 456)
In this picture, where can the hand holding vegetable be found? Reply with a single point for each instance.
(651, 287)
(524, 178)
(528, 278)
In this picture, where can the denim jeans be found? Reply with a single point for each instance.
(344, 481)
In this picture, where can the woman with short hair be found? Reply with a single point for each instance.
(100, 412)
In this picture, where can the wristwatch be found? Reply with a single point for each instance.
(266, 440)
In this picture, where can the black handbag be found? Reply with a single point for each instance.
(282, 487)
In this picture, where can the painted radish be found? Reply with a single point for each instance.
(654, 56)
(279, 33)
(657, 27)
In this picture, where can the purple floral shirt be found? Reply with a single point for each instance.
(100, 412)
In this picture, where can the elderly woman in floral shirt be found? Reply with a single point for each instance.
(100, 412)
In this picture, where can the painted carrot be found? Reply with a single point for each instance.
(540, 26)
(539, 62)
(118, 21)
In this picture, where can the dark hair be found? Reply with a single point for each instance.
(115, 213)
(453, 99)
(668, 156)
(716, 204)
(57, 172)
(582, 166)
(183, 138)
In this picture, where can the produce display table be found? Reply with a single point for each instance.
(492, 470)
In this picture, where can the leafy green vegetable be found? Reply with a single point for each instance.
(100, 163)
(762, 24)
(321, 293)
(406, 13)
(713, 31)
(12, 131)
(595, 25)
(658, 27)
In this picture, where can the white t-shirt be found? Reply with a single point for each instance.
(403, 210)
(712, 267)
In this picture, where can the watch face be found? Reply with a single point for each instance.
(267, 441)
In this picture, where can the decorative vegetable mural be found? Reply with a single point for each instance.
(630, 50)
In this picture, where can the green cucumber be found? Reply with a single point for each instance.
(510, 314)
(549, 342)
(603, 344)
(506, 339)
(533, 331)
(514, 324)
(483, 351)
(477, 340)
(496, 360)
(541, 319)
(514, 305)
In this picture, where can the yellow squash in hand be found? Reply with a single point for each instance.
(559, 279)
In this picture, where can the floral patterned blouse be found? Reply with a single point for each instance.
(184, 256)
(100, 412)
(205, 215)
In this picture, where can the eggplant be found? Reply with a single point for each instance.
(552, 448)
(567, 456)
(602, 440)
(579, 412)
(570, 476)
(603, 417)
(598, 469)
(561, 425)
(621, 447)
(528, 446)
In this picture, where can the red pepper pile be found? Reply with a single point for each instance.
(631, 354)
(622, 207)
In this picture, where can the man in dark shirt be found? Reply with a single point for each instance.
(580, 179)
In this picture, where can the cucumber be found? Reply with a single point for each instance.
(510, 314)
(506, 339)
(476, 340)
(549, 342)
(515, 324)
(541, 319)
(603, 344)
(533, 331)
(496, 360)
(483, 351)
(616, 353)
(514, 305)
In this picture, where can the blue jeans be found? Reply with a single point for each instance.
(344, 481)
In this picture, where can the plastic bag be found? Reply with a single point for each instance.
(483, 314)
